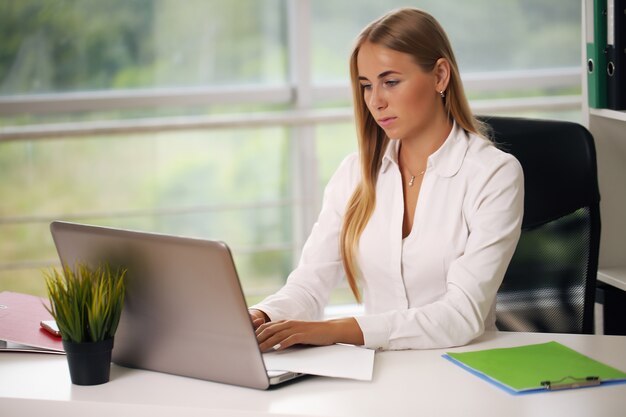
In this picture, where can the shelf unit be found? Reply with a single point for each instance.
(609, 114)
(613, 276)
(608, 128)
(609, 131)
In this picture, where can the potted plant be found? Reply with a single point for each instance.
(87, 304)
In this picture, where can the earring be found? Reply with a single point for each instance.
(442, 94)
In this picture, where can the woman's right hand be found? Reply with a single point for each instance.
(258, 317)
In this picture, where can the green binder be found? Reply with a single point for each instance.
(535, 368)
(595, 22)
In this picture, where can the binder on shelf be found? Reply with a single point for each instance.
(616, 54)
(536, 368)
(596, 22)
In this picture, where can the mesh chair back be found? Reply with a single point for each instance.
(550, 283)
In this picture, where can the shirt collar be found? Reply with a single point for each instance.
(445, 161)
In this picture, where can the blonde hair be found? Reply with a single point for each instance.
(417, 33)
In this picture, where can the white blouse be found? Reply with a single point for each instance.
(437, 287)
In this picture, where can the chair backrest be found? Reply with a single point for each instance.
(550, 283)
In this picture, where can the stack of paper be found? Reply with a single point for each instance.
(339, 361)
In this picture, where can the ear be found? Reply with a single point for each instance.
(442, 74)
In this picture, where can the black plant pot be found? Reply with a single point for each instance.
(89, 362)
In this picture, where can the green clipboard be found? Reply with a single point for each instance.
(535, 368)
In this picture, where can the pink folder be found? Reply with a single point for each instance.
(20, 315)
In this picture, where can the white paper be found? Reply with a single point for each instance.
(339, 361)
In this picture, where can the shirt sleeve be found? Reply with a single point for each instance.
(494, 211)
(308, 287)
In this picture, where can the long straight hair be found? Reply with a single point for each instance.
(417, 33)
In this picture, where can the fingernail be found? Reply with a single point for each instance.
(276, 346)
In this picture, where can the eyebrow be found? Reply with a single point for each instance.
(381, 75)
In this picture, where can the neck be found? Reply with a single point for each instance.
(414, 151)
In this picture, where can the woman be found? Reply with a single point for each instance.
(424, 219)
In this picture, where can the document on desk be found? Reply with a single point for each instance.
(338, 361)
(535, 368)
(20, 315)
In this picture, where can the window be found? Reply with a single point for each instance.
(222, 119)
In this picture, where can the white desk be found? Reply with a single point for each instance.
(406, 383)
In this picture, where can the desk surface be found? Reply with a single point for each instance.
(405, 383)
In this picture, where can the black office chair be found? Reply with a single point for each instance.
(550, 283)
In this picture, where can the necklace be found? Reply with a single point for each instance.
(413, 177)
(412, 180)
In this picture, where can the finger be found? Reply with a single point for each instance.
(257, 322)
(269, 341)
(286, 341)
(294, 339)
(268, 329)
(275, 340)
(263, 331)
(271, 345)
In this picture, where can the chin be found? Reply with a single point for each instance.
(392, 134)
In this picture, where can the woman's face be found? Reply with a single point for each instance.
(402, 98)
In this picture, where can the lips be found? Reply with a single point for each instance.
(385, 121)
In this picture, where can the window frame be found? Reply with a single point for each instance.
(300, 96)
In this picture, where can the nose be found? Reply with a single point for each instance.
(376, 100)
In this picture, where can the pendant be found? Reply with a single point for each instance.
(411, 180)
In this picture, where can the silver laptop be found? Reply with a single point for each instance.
(184, 311)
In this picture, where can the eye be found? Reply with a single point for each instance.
(366, 86)
(391, 83)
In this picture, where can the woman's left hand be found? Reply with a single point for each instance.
(283, 334)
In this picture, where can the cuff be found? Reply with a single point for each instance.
(375, 330)
(271, 313)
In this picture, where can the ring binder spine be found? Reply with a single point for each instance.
(595, 16)
(616, 54)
